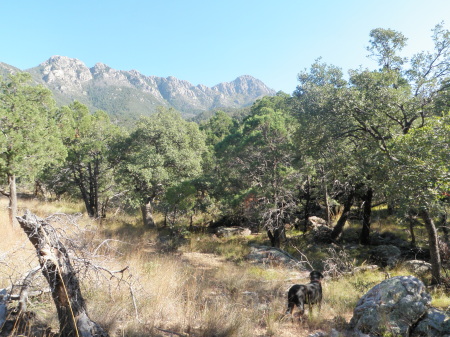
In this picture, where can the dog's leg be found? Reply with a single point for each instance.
(290, 308)
(301, 307)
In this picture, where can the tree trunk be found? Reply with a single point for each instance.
(412, 223)
(443, 225)
(337, 229)
(434, 247)
(367, 211)
(57, 269)
(307, 204)
(12, 208)
(327, 203)
(147, 215)
(79, 180)
(411, 232)
(93, 188)
(276, 237)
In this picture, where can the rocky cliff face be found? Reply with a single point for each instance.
(130, 92)
(6, 69)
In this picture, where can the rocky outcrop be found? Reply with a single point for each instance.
(227, 232)
(418, 267)
(399, 306)
(315, 221)
(318, 230)
(65, 74)
(435, 323)
(271, 256)
(6, 69)
(385, 255)
(130, 91)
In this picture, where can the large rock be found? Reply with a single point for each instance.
(318, 230)
(315, 221)
(418, 267)
(385, 255)
(271, 256)
(394, 306)
(388, 238)
(227, 232)
(434, 324)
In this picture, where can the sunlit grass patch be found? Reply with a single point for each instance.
(441, 299)
(45, 208)
(233, 248)
(342, 294)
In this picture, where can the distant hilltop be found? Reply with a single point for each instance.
(130, 94)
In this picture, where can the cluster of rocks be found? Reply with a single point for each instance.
(226, 232)
(399, 306)
(318, 230)
(271, 256)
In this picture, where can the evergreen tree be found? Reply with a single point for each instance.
(161, 152)
(29, 138)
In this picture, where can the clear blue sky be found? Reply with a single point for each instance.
(208, 42)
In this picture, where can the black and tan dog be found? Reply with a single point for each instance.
(301, 294)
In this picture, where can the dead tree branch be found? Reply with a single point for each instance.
(62, 278)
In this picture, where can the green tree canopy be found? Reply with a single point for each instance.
(257, 166)
(29, 138)
(161, 152)
(88, 139)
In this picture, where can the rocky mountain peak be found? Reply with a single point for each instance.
(130, 92)
(64, 73)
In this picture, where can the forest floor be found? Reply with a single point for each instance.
(193, 285)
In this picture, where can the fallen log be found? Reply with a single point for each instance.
(62, 279)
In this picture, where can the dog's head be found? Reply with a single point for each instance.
(315, 276)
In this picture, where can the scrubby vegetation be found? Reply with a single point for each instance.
(204, 286)
(344, 174)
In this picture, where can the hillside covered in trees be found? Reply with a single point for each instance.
(338, 148)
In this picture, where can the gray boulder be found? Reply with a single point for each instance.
(435, 323)
(271, 256)
(394, 306)
(314, 221)
(227, 232)
(385, 255)
(418, 267)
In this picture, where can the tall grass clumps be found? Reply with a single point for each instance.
(158, 283)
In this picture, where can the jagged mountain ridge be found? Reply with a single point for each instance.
(132, 94)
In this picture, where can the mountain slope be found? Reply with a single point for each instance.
(128, 94)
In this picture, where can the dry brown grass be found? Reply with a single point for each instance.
(203, 289)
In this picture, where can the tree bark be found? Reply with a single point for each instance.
(276, 237)
(57, 269)
(147, 214)
(434, 247)
(12, 208)
(327, 203)
(443, 224)
(411, 232)
(337, 229)
(367, 211)
(79, 180)
(307, 203)
(412, 223)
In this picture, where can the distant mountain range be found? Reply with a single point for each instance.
(129, 94)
